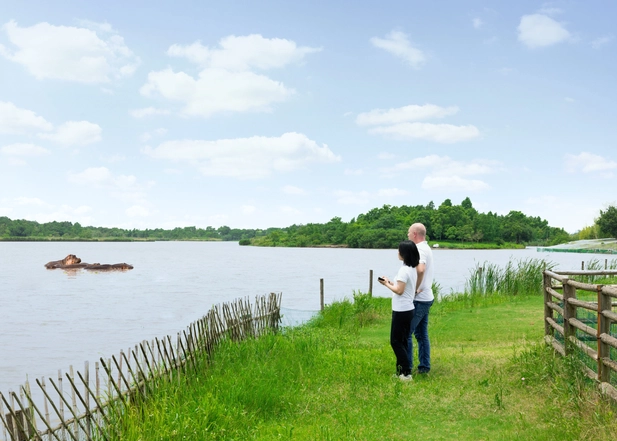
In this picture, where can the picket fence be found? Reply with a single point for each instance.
(79, 405)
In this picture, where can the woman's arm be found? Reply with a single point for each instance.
(399, 288)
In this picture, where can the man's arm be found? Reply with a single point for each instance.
(420, 269)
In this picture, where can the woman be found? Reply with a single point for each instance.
(402, 305)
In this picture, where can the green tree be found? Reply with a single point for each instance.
(608, 221)
(466, 204)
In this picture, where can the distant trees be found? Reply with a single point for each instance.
(382, 227)
(29, 230)
(608, 221)
(385, 227)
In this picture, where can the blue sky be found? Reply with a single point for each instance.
(270, 113)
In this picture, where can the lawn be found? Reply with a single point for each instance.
(492, 379)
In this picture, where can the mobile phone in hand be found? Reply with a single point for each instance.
(381, 279)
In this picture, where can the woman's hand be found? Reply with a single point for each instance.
(399, 288)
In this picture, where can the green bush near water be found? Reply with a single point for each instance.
(331, 379)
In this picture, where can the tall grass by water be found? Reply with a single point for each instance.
(332, 378)
(518, 277)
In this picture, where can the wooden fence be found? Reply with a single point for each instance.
(80, 405)
(586, 322)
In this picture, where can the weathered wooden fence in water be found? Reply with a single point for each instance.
(80, 406)
(586, 322)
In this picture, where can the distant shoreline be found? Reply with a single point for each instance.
(59, 239)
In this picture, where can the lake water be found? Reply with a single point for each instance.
(52, 319)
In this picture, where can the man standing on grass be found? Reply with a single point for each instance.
(423, 300)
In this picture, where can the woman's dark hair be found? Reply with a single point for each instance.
(409, 252)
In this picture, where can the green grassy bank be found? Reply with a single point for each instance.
(332, 379)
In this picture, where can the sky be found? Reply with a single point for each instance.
(257, 114)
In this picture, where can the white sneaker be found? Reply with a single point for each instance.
(405, 377)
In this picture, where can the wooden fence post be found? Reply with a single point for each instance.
(548, 312)
(569, 311)
(370, 283)
(604, 327)
(321, 293)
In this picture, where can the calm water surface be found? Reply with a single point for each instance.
(52, 319)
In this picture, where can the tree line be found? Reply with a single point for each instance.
(381, 227)
(30, 230)
(385, 227)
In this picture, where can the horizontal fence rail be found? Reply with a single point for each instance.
(580, 316)
(80, 405)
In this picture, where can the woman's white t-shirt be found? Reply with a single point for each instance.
(409, 277)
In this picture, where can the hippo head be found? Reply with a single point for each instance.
(71, 259)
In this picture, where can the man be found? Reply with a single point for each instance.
(423, 300)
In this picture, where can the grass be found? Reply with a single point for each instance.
(332, 381)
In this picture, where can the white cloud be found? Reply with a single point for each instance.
(82, 209)
(404, 114)
(539, 30)
(601, 41)
(443, 133)
(19, 149)
(589, 163)
(569, 100)
(31, 201)
(391, 192)
(444, 173)
(216, 90)
(245, 158)
(54, 213)
(401, 123)
(227, 82)
(549, 10)
(444, 165)
(248, 209)
(102, 27)
(218, 219)
(113, 158)
(123, 187)
(350, 172)
(290, 189)
(69, 53)
(149, 135)
(397, 43)
(289, 210)
(14, 120)
(244, 53)
(148, 111)
(477, 23)
(75, 133)
(137, 211)
(505, 71)
(453, 183)
(352, 198)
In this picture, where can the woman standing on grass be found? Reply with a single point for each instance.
(402, 305)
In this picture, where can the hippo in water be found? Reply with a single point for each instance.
(73, 262)
(109, 267)
(71, 259)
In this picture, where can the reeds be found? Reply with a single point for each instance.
(518, 277)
